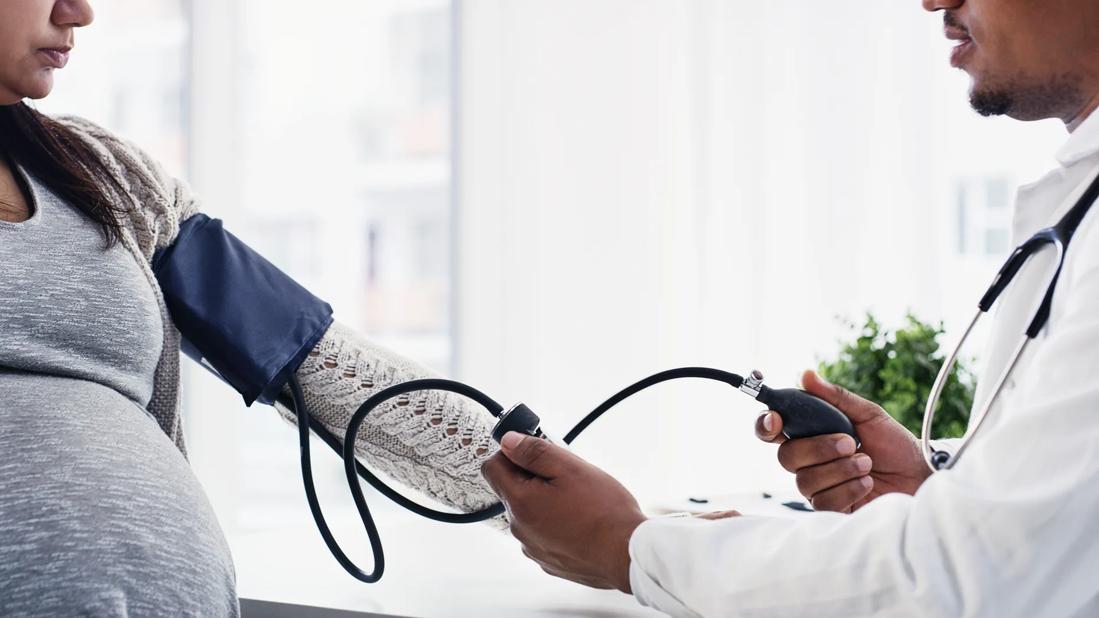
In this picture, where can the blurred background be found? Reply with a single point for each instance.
(550, 200)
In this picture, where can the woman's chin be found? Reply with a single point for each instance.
(39, 87)
(42, 88)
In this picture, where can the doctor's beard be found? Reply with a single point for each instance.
(1023, 98)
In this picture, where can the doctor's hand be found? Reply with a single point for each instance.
(830, 472)
(572, 518)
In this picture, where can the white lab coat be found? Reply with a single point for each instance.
(1011, 530)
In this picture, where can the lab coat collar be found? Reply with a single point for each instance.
(1043, 202)
(1083, 142)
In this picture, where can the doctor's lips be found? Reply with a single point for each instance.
(56, 57)
(956, 32)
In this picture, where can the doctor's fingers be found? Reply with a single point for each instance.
(814, 480)
(814, 451)
(503, 477)
(856, 408)
(769, 427)
(843, 497)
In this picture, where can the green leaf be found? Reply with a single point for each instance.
(897, 369)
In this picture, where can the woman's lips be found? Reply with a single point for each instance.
(56, 58)
(958, 53)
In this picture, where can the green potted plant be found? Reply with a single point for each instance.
(896, 369)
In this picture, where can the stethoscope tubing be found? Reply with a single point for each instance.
(354, 470)
(1058, 236)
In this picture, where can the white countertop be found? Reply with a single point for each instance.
(432, 569)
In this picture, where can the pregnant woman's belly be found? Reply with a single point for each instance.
(99, 512)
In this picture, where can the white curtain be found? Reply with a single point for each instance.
(653, 183)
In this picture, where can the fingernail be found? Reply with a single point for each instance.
(867, 482)
(845, 446)
(768, 422)
(511, 440)
(863, 463)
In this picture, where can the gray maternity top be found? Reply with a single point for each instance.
(100, 514)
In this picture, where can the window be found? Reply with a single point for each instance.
(984, 215)
(347, 144)
(338, 138)
(344, 184)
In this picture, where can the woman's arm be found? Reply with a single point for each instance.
(434, 442)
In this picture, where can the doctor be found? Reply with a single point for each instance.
(1011, 530)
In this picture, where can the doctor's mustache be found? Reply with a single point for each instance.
(950, 20)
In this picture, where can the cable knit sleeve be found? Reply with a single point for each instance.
(433, 442)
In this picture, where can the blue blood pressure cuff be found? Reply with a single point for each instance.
(239, 315)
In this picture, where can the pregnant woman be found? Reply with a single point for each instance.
(100, 513)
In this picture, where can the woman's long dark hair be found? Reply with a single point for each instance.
(62, 161)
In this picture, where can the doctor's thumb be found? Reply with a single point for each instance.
(856, 408)
(535, 455)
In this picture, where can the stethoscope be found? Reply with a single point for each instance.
(1058, 237)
